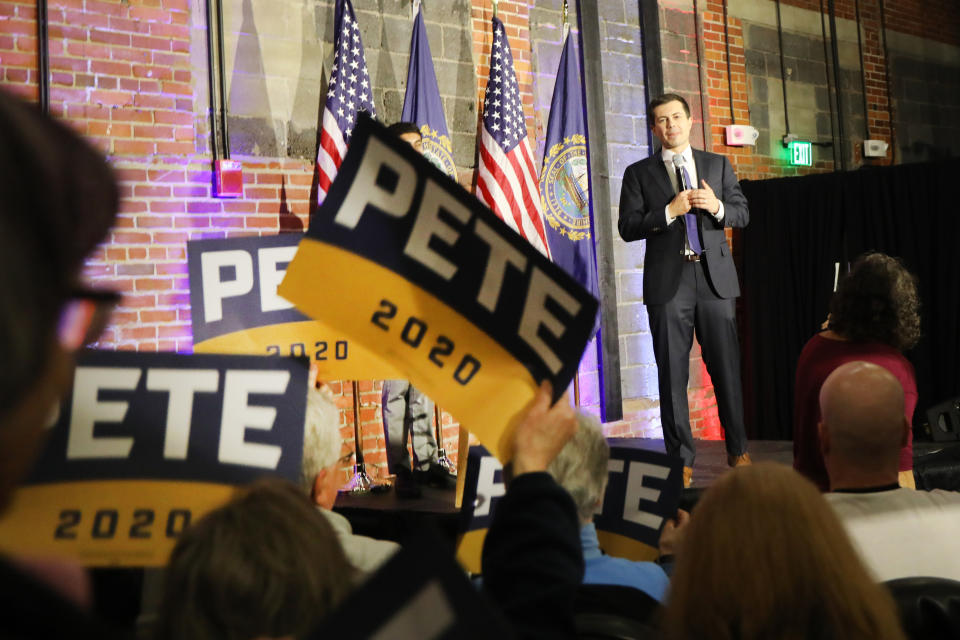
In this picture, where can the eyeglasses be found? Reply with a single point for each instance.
(84, 316)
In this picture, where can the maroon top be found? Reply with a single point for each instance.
(820, 356)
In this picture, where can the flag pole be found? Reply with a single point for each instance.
(360, 483)
(576, 389)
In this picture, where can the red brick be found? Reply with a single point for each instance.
(152, 71)
(181, 32)
(173, 299)
(181, 88)
(156, 133)
(149, 14)
(192, 222)
(154, 102)
(239, 206)
(135, 269)
(130, 55)
(261, 222)
(56, 62)
(191, 192)
(175, 148)
(261, 193)
(133, 147)
(16, 75)
(128, 25)
(131, 115)
(17, 27)
(175, 331)
(138, 333)
(167, 206)
(158, 316)
(153, 284)
(170, 237)
(149, 42)
(110, 37)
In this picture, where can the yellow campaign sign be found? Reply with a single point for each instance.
(421, 274)
(146, 443)
(119, 523)
(436, 344)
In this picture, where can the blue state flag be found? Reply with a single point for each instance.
(421, 103)
(564, 185)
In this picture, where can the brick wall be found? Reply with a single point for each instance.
(934, 19)
(131, 76)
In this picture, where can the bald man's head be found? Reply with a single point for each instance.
(862, 421)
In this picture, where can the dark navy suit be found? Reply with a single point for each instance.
(685, 297)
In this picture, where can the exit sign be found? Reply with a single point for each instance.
(801, 153)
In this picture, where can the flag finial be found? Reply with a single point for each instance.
(495, 3)
(566, 13)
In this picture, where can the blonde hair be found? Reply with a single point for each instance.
(765, 557)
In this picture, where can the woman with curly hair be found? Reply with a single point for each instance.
(797, 576)
(874, 317)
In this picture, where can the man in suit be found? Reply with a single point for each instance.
(679, 201)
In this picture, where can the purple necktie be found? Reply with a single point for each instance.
(689, 219)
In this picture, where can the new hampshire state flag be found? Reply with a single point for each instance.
(421, 102)
(564, 186)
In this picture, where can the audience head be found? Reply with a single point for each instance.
(322, 449)
(877, 301)
(862, 426)
(581, 466)
(58, 198)
(409, 132)
(764, 556)
(265, 565)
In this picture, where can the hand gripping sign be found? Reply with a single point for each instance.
(147, 442)
(400, 259)
(236, 309)
(643, 491)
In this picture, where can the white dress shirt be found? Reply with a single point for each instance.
(687, 154)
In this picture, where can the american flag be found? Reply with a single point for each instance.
(507, 181)
(348, 92)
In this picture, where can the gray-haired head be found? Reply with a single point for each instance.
(581, 466)
(321, 437)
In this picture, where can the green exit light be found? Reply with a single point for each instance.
(801, 153)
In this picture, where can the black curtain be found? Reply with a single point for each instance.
(800, 228)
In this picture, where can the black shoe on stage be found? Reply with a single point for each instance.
(404, 484)
(435, 476)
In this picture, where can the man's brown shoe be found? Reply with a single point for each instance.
(687, 477)
(739, 461)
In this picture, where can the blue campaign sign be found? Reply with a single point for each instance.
(233, 284)
(235, 308)
(146, 442)
(643, 491)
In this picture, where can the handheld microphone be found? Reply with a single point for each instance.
(678, 164)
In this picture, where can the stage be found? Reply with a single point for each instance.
(383, 515)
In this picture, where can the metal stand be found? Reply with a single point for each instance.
(361, 482)
(442, 459)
